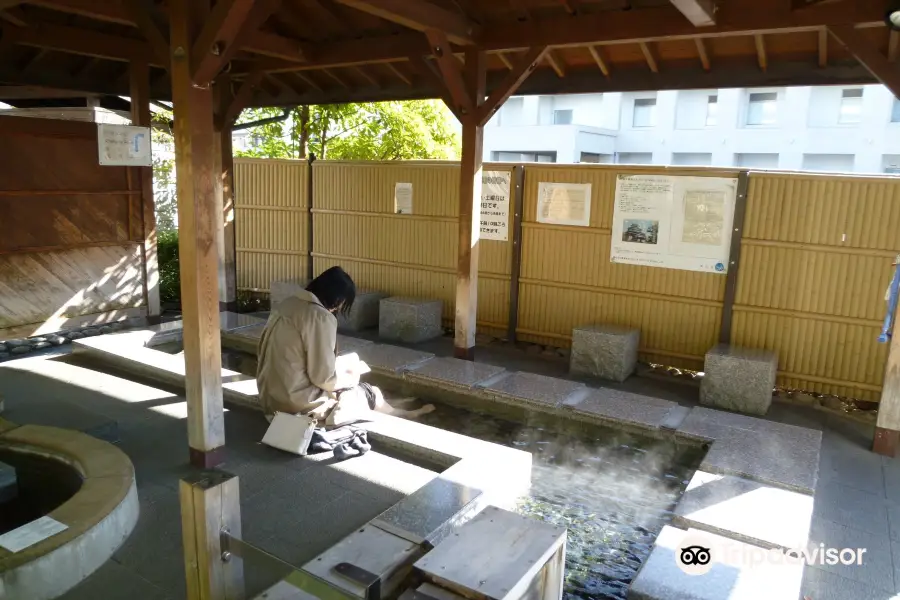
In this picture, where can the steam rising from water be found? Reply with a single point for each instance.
(613, 494)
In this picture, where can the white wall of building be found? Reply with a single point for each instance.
(802, 128)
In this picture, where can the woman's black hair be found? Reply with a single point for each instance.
(334, 289)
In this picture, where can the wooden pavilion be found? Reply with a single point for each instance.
(212, 59)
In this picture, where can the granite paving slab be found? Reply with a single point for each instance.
(533, 389)
(245, 339)
(614, 405)
(745, 510)
(788, 462)
(876, 569)
(704, 423)
(347, 344)
(231, 321)
(732, 577)
(819, 584)
(392, 359)
(849, 506)
(454, 372)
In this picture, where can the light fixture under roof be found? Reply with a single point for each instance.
(892, 18)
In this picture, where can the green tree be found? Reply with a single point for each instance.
(418, 129)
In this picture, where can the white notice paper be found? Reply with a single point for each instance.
(403, 199)
(564, 203)
(31, 533)
(673, 222)
(123, 145)
(495, 205)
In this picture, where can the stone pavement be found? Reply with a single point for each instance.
(297, 507)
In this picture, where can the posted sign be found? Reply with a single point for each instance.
(124, 145)
(495, 205)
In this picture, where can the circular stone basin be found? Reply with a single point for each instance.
(77, 480)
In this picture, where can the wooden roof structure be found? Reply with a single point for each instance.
(291, 52)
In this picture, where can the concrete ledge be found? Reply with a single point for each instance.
(100, 516)
(543, 392)
(453, 373)
(612, 406)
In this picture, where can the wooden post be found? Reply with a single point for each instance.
(469, 208)
(210, 502)
(225, 237)
(887, 428)
(199, 213)
(140, 115)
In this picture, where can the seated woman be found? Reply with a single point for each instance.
(297, 370)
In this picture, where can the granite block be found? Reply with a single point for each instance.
(732, 576)
(364, 313)
(9, 489)
(605, 351)
(348, 345)
(410, 320)
(391, 359)
(230, 321)
(739, 379)
(745, 510)
(789, 463)
(614, 405)
(454, 372)
(279, 290)
(528, 388)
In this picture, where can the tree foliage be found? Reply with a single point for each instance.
(418, 129)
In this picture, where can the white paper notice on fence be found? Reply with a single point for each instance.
(31, 533)
(403, 199)
(673, 222)
(123, 145)
(495, 205)
(564, 203)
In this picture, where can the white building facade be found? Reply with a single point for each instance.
(844, 129)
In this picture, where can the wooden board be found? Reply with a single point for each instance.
(496, 555)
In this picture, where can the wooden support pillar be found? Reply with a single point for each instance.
(469, 206)
(228, 250)
(887, 428)
(199, 213)
(210, 502)
(140, 115)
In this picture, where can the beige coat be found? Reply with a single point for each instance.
(297, 351)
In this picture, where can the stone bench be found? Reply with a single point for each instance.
(604, 351)
(410, 320)
(285, 288)
(364, 314)
(739, 379)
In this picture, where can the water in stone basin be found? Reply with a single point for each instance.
(613, 491)
(614, 495)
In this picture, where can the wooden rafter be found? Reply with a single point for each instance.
(420, 16)
(336, 20)
(823, 48)
(571, 6)
(215, 45)
(451, 70)
(309, 81)
(241, 98)
(523, 68)
(365, 75)
(703, 54)
(761, 56)
(432, 75)
(650, 57)
(39, 54)
(340, 81)
(505, 60)
(701, 13)
(555, 63)
(80, 41)
(894, 45)
(142, 13)
(14, 16)
(869, 56)
(400, 74)
(600, 59)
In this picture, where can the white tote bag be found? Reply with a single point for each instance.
(291, 433)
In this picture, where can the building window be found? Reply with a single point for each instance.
(562, 117)
(514, 157)
(891, 164)
(695, 159)
(762, 109)
(895, 112)
(851, 106)
(644, 113)
(635, 158)
(756, 160)
(712, 111)
(837, 163)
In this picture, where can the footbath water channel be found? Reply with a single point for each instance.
(613, 491)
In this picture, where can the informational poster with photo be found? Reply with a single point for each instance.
(564, 204)
(403, 201)
(673, 222)
(495, 205)
(123, 145)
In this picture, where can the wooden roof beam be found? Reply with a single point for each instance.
(420, 16)
(400, 74)
(522, 69)
(702, 13)
(571, 6)
(703, 54)
(142, 13)
(600, 59)
(80, 41)
(451, 70)
(505, 60)
(241, 98)
(650, 57)
(340, 81)
(823, 48)
(869, 56)
(371, 79)
(894, 45)
(432, 75)
(215, 46)
(555, 63)
(761, 54)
